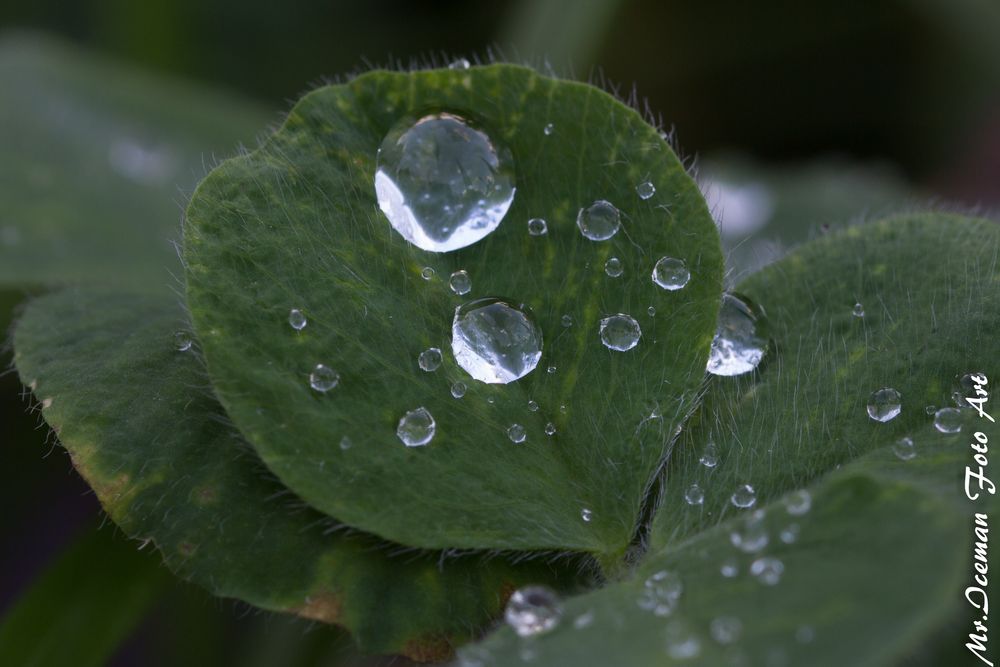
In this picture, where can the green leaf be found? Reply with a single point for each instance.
(139, 421)
(82, 606)
(885, 554)
(96, 160)
(295, 225)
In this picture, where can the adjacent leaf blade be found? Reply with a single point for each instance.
(97, 162)
(142, 427)
(97, 578)
(295, 225)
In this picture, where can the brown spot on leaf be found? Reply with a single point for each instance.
(428, 649)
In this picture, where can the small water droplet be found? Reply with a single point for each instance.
(584, 620)
(930, 410)
(551, 369)
(494, 341)
(613, 267)
(710, 456)
(567, 320)
(729, 568)
(533, 406)
(790, 533)
(563, 409)
(884, 404)
(904, 449)
(549, 129)
(645, 190)
(694, 495)
(427, 273)
(533, 610)
(517, 434)
(620, 332)
(681, 642)
(461, 63)
(767, 570)
(726, 629)
(599, 221)
(661, 592)
(345, 443)
(458, 389)
(430, 359)
(744, 496)
(948, 420)
(538, 227)
(297, 320)
(859, 310)
(182, 341)
(416, 428)
(460, 283)
(323, 378)
(738, 347)
(651, 311)
(587, 515)
(550, 429)
(798, 502)
(442, 182)
(671, 273)
(750, 534)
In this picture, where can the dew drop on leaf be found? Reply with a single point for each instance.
(461, 63)
(460, 283)
(767, 570)
(458, 389)
(182, 341)
(694, 495)
(551, 369)
(750, 534)
(859, 310)
(930, 410)
(726, 629)
(517, 433)
(427, 273)
(297, 320)
(948, 420)
(738, 347)
(550, 429)
(430, 359)
(651, 311)
(729, 568)
(884, 404)
(345, 443)
(613, 267)
(416, 428)
(323, 378)
(661, 592)
(710, 455)
(599, 221)
(798, 502)
(567, 320)
(744, 496)
(645, 190)
(495, 341)
(904, 449)
(549, 129)
(671, 273)
(538, 227)
(533, 406)
(789, 533)
(620, 332)
(681, 642)
(587, 515)
(533, 610)
(442, 182)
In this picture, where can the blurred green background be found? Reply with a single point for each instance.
(801, 116)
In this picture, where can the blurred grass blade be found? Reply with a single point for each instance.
(80, 609)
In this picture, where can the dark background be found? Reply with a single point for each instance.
(913, 84)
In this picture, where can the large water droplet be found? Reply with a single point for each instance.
(645, 190)
(613, 267)
(599, 221)
(533, 610)
(884, 404)
(458, 389)
(296, 319)
(750, 535)
(517, 434)
(538, 227)
(442, 182)
(744, 496)
(182, 341)
(904, 449)
(671, 273)
(738, 346)
(495, 341)
(620, 332)
(323, 378)
(767, 570)
(460, 283)
(430, 359)
(948, 420)
(694, 495)
(416, 428)
(710, 455)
